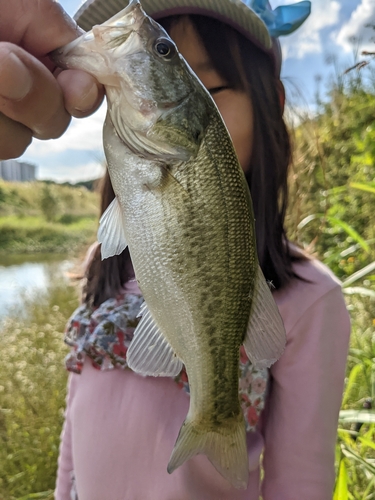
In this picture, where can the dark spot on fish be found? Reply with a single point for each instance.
(214, 351)
(197, 135)
(211, 330)
(216, 288)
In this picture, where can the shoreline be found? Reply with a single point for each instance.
(33, 234)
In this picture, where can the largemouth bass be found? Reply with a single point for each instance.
(183, 207)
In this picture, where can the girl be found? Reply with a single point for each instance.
(120, 428)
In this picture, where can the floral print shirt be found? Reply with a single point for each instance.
(104, 334)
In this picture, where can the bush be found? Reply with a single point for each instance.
(68, 219)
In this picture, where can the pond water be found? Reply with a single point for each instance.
(28, 273)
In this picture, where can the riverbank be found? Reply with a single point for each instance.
(46, 217)
(34, 234)
(26, 275)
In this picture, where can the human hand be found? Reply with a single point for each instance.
(34, 102)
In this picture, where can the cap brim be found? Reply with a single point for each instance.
(231, 12)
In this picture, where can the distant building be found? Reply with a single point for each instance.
(16, 171)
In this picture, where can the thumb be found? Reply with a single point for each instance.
(42, 25)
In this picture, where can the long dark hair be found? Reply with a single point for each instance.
(243, 66)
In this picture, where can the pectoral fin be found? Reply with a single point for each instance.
(111, 231)
(149, 352)
(265, 336)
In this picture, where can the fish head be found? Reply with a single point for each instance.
(156, 103)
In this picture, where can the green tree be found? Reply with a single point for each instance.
(49, 203)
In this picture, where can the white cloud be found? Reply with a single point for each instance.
(307, 39)
(77, 155)
(62, 173)
(83, 134)
(356, 27)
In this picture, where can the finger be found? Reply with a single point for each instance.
(29, 93)
(42, 25)
(14, 138)
(82, 93)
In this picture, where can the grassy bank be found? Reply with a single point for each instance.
(35, 234)
(41, 217)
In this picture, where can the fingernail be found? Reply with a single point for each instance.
(15, 81)
(88, 99)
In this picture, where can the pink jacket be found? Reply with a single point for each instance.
(120, 428)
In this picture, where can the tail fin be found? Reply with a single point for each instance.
(225, 448)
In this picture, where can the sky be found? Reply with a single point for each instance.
(333, 31)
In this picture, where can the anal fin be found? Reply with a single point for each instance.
(149, 352)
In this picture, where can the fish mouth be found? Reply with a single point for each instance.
(56, 58)
(59, 56)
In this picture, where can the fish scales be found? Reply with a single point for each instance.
(183, 207)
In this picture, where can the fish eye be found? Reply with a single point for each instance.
(164, 48)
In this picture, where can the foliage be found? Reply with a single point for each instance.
(32, 388)
(25, 199)
(335, 155)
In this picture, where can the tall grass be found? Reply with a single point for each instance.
(32, 391)
(355, 453)
(332, 191)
